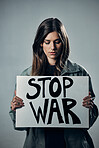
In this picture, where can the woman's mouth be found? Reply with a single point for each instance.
(52, 53)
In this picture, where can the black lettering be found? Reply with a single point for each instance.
(39, 112)
(66, 86)
(43, 80)
(54, 109)
(36, 86)
(67, 111)
(58, 91)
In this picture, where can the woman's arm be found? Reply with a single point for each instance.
(93, 114)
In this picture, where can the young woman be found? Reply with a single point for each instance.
(50, 57)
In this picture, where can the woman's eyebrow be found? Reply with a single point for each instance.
(54, 40)
(46, 40)
(57, 39)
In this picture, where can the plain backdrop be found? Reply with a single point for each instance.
(19, 20)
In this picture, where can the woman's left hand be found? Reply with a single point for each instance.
(88, 102)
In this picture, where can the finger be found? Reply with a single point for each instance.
(15, 99)
(88, 101)
(87, 97)
(16, 105)
(18, 99)
(88, 104)
(17, 102)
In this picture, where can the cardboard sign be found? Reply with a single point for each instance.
(52, 101)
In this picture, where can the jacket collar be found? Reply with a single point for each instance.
(70, 68)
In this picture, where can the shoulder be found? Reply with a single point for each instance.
(27, 71)
(76, 66)
(71, 67)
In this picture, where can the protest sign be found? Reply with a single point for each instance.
(52, 101)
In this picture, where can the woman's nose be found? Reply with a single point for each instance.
(53, 46)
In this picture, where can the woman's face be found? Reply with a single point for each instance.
(52, 47)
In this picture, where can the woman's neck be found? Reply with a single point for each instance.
(51, 61)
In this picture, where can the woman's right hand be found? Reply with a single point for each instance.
(16, 103)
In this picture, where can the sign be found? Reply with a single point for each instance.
(52, 101)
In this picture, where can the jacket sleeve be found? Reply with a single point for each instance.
(13, 118)
(93, 112)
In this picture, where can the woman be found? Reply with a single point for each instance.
(50, 57)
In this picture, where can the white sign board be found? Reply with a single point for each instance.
(52, 101)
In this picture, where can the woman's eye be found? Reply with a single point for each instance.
(57, 42)
(47, 42)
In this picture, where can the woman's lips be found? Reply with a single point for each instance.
(52, 53)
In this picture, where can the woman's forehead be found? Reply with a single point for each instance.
(52, 36)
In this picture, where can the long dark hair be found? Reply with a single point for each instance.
(39, 58)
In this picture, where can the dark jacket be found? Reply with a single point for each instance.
(74, 138)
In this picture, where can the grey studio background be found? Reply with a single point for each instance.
(19, 20)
